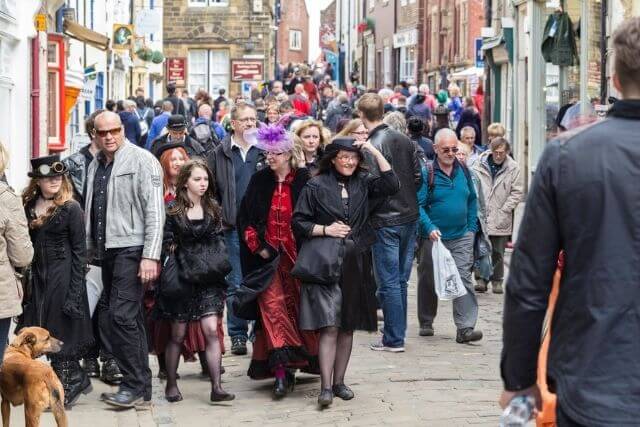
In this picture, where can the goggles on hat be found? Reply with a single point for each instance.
(55, 167)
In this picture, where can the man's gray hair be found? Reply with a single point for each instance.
(445, 133)
(467, 129)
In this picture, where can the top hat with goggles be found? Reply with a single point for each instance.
(47, 166)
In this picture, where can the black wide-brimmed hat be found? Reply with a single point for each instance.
(344, 143)
(168, 146)
(176, 122)
(47, 166)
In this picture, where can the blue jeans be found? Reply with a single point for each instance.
(235, 326)
(392, 261)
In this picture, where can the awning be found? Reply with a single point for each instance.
(469, 72)
(495, 48)
(85, 35)
(491, 42)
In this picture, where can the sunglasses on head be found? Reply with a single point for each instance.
(56, 167)
(104, 133)
(448, 150)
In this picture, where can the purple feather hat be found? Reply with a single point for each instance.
(270, 138)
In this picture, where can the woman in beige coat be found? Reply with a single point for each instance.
(503, 188)
(15, 252)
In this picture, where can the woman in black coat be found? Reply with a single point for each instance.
(58, 300)
(335, 203)
(192, 229)
(470, 117)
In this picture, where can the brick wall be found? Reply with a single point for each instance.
(294, 17)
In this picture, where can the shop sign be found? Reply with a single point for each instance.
(242, 69)
(405, 38)
(177, 71)
(479, 53)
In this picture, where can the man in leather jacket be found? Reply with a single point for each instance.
(78, 164)
(584, 200)
(394, 219)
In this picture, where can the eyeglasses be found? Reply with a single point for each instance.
(104, 133)
(361, 133)
(347, 158)
(269, 153)
(448, 150)
(56, 167)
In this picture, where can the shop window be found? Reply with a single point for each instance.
(209, 70)
(55, 96)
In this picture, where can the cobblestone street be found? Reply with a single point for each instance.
(436, 382)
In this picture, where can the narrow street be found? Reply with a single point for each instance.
(436, 382)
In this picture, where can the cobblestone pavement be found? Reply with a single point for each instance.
(436, 382)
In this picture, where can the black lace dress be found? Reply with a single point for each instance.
(200, 301)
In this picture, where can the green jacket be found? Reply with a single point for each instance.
(559, 40)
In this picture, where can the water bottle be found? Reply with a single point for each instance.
(519, 412)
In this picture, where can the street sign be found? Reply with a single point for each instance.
(177, 71)
(41, 22)
(479, 53)
(242, 69)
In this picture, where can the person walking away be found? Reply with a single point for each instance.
(416, 129)
(159, 124)
(177, 134)
(15, 248)
(470, 117)
(207, 132)
(131, 123)
(124, 216)
(192, 224)
(335, 203)
(78, 164)
(503, 188)
(342, 110)
(178, 105)
(448, 212)
(267, 245)
(233, 163)
(58, 300)
(394, 219)
(583, 200)
(190, 106)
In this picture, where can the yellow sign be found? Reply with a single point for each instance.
(41, 22)
(122, 36)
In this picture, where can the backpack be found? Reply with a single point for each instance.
(144, 127)
(205, 135)
(431, 177)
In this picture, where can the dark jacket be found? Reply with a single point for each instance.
(559, 40)
(400, 151)
(419, 109)
(471, 117)
(337, 113)
(221, 165)
(192, 147)
(584, 200)
(254, 212)
(78, 164)
(58, 300)
(321, 203)
(131, 125)
(178, 105)
(426, 145)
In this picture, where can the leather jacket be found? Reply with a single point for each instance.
(77, 164)
(400, 151)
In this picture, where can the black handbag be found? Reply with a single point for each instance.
(171, 287)
(320, 261)
(205, 264)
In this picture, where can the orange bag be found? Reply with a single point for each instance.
(547, 416)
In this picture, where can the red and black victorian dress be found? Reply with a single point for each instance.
(269, 294)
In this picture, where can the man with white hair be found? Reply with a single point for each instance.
(448, 208)
(130, 121)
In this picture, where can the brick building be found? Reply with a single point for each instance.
(405, 40)
(293, 32)
(209, 36)
(379, 67)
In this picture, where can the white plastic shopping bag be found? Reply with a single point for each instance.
(94, 287)
(447, 279)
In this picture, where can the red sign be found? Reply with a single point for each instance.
(246, 69)
(177, 71)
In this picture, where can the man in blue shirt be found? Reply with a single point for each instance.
(159, 123)
(448, 212)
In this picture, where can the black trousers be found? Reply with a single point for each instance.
(101, 329)
(123, 292)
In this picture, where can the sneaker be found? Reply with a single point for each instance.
(481, 286)
(468, 335)
(378, 346)
(238, 346)
(426, 331)
(496, 287)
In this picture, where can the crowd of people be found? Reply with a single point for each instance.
(298, 210)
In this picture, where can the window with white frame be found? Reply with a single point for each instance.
(208, 69)
(206, 3)
(407, 63)
(295, 40)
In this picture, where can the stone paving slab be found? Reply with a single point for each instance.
(436, 382)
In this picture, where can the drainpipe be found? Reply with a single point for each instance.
(486, 112)
(35, 96)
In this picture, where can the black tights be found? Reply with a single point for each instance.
(334, 353)
(213, 353)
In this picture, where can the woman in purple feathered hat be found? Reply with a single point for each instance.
(269, 294)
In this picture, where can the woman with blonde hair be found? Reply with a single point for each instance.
(15, 248)
(58, 300)
(313, 138)
(355, 129)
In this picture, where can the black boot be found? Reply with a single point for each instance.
(91, 367)
(280, 388)
(111, 372)
(75, 381)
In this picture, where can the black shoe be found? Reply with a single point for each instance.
(91, 367)
(222, 397)
(280, 388)
(325, 398)
(342, 391)
(74, 381)
(426, 331)
(175, 398)
(238, 346)
(290, 377)
(111, 372)
(468, 335)
(123, 399)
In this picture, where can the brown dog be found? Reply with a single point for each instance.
(33, 383)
